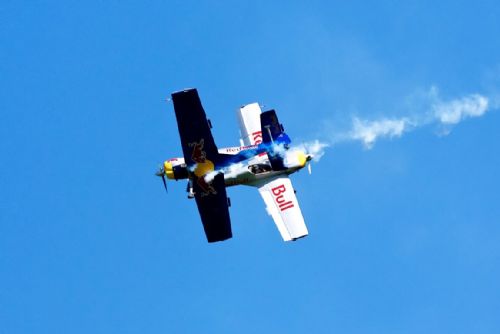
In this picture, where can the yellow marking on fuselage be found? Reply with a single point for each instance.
(169, 170)
(203, 168)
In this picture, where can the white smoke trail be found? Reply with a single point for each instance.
(291, 156)
(444, 113)
(315, 148)
(230, 171)
(453, 112)
(369, 131)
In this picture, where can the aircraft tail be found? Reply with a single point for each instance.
(273, 134)
(271, 127)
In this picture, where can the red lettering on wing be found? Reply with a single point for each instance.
(278, 193)
(278, 190)
(257, 137)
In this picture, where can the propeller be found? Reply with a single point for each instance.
(164, 183)
(309, 157)
(161, 173)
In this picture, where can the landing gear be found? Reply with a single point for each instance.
(190, 189)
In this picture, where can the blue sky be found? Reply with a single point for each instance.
(404, 237)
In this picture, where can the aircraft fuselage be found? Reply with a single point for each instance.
(246, 165)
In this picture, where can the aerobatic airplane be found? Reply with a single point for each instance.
(263, 160)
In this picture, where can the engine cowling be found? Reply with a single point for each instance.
(175, 169)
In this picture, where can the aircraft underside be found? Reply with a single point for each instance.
(264, 160)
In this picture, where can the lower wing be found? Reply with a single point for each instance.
(212, 203)
(282, 205)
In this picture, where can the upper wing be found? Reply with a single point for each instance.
(201, 156)
(194, 129)
(249, 121)
(282, 205)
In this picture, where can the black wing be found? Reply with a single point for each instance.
(193, 126)
(213, 208)
(201, 156)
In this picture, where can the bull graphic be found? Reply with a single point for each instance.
(198, 155)
(203, 167)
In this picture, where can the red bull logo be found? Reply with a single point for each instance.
(257, 137)
(203, 166)
(278, 193)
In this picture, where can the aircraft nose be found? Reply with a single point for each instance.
(160, 171)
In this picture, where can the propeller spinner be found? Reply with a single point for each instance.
(161, 172)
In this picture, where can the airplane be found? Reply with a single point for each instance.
(264, 159)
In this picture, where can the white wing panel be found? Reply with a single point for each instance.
(282, 205)
(272, 210)
(249, 121)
